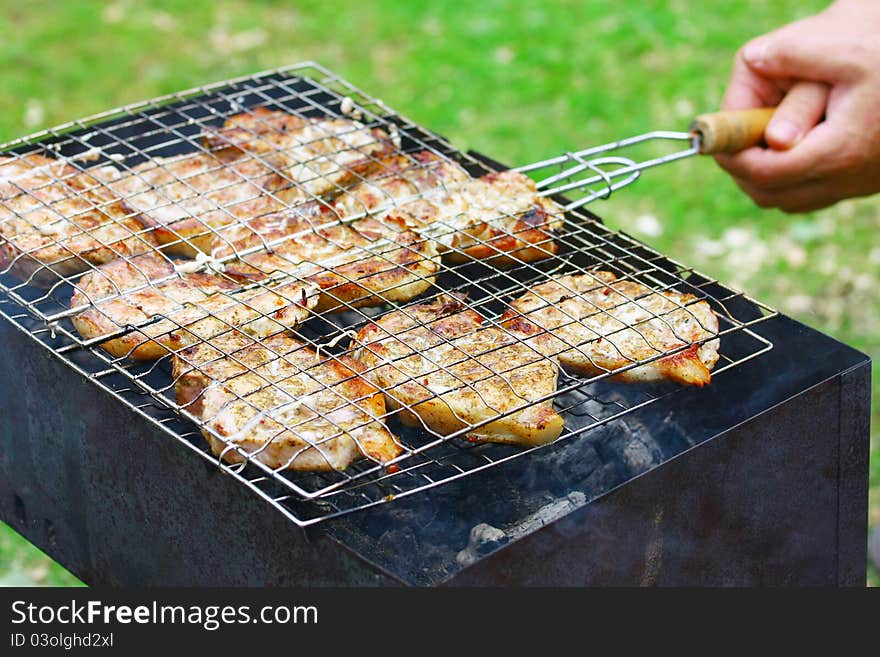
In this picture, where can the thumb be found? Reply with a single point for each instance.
(799, 52)
(798, 113)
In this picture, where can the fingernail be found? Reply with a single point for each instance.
(783, 131)
(755, 52)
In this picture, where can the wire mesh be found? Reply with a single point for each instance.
(264, 323)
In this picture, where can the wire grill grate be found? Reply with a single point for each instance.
(168, 127)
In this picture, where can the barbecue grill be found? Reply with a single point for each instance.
(759, 478)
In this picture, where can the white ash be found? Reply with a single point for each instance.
(481, 537)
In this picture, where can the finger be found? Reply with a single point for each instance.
(804, 197)
(800, 51)
(809, 159)
(746, 89)
(798, 113)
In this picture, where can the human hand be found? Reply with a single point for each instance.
(823, 72)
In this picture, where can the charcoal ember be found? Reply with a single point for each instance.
(641, 451)
(557, 468)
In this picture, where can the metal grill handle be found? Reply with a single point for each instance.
(601, 167)
(719, 132)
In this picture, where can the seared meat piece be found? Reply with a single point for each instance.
(361, 264)
(56, 221)
(184, 307)
(318, 156)
(599, 324)
(401, 180)
(283, 404)
(498, 216)
(444, 369)
(186, 199)
(261, 161)
(34, 175)
(254, 131)
(507, 220)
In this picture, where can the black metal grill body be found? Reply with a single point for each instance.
(759, 479)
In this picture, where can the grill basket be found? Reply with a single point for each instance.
(172, 125)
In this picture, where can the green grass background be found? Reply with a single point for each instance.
(520, 81)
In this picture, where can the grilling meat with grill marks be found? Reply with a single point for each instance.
(396, 182)
(509, 218)
(440, 366)
(56, 221)
(259, 162)
(283, 404)
(498, 216)
(361, 264)
(318, 156)
(184, 309)
(599, 324)
(186, 199)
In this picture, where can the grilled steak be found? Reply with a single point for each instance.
(355, 265)
(600, 324)
(55, 220)
(445, 370)
(508, 221)
(317, 156)
(498, 216)
(173, 310)
(186, 199)
(282, 404)
(259, 162)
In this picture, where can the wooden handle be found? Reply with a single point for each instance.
(732, 130)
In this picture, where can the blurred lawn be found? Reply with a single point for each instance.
(518, 81)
